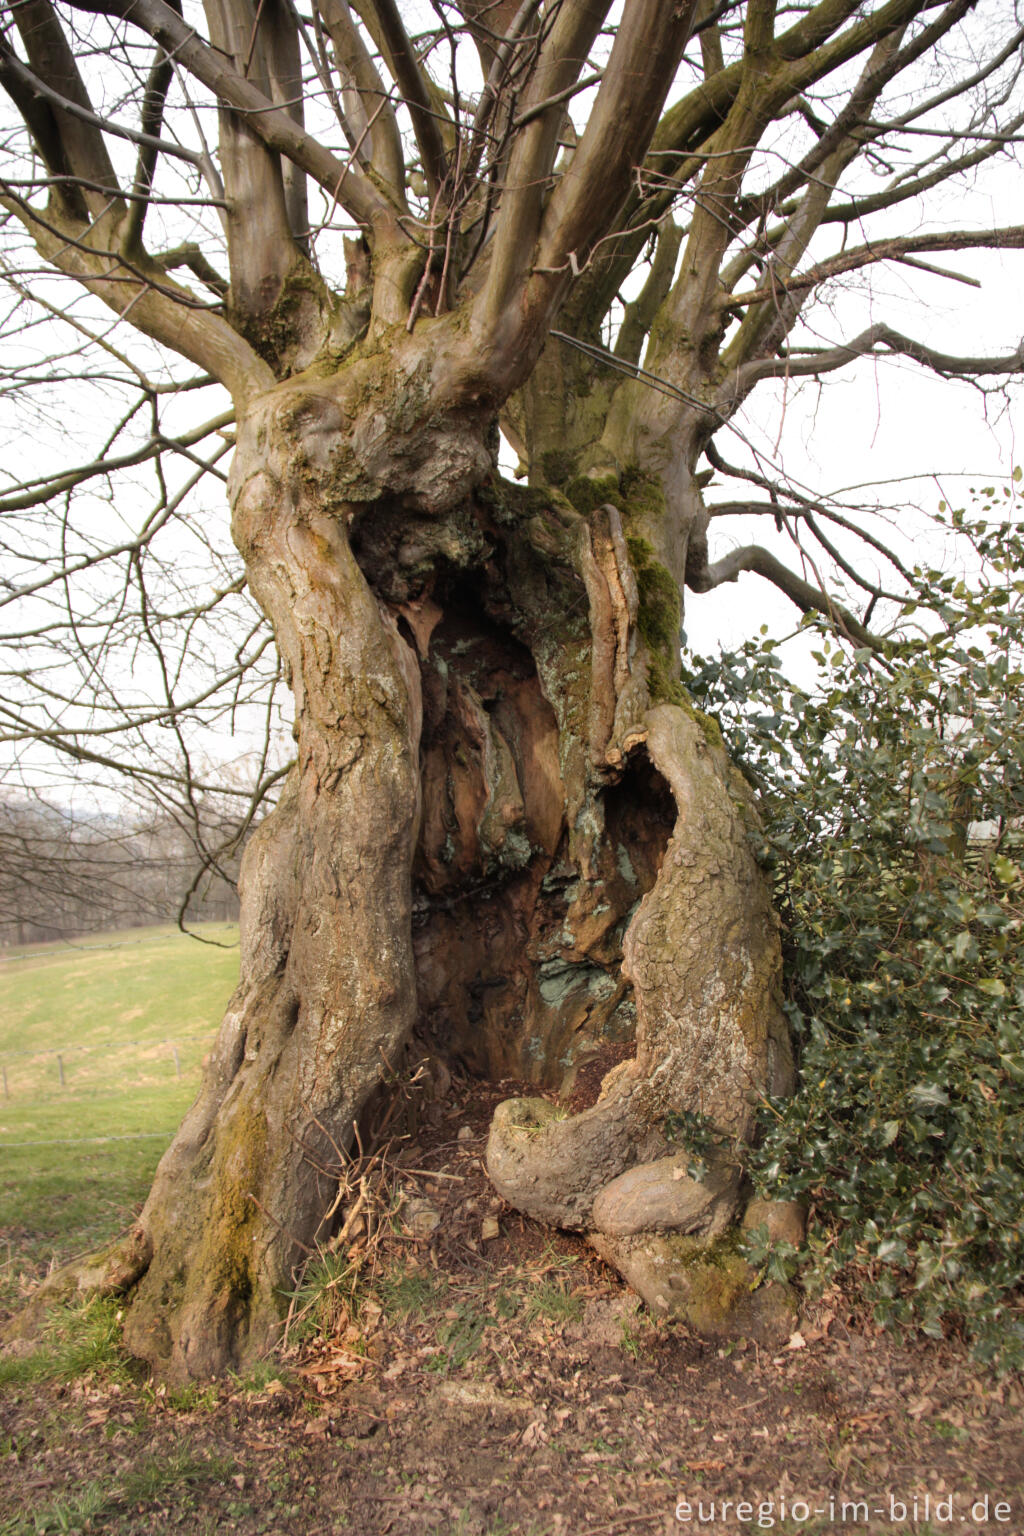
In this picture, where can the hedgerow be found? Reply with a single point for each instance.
(893, 797)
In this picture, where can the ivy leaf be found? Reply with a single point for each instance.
(929, 1096)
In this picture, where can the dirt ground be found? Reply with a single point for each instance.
(484, 1376)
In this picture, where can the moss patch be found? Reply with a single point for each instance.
(587, 493)
(708, 1286)
(557, 466)
(659, 620)
(510, 503)
(644, 497)
(227, 1250)
(273, 334)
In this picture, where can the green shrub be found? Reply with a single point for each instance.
(894, 831)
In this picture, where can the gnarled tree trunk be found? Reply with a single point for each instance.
(506, 827)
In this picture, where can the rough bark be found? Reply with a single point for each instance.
(327, 993)
(507, 829)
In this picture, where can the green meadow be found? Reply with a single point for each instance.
(101, 1046)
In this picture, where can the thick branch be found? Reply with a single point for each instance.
(413, 87)
(764, 326)
(22, 86)
(375, 122)
(154, 97)
(808, 599)
(679, 146)
(639, 315)
(280, 38)
(649, 43)
(855, 112)
(51, 60)
(532, 160)
(261, 248)
(272, 124)
(156, 305)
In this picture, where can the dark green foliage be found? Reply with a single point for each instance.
(894, 804)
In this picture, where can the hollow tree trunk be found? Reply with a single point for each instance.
(506, 829)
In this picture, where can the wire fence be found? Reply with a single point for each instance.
(36, 1073)
(47, 949)
(95, 1058)
(84, 1141)
(102, 1092)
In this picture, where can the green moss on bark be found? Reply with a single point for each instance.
(557, 466)
(225, 1253)
(587, 493)
(659, 620)
(277, 332)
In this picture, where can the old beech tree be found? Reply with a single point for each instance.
(596, 228)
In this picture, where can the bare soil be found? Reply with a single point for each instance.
(483, 1384)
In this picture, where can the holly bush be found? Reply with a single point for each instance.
(893, 802)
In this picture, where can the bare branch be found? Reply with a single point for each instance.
(412, 85)
(650, 39)
(878, 341)
(1010, 238)
(809, 599)
(37, 493)
(366, 97)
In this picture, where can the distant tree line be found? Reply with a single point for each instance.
(64, 875)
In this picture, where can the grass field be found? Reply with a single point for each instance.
(127, 1018)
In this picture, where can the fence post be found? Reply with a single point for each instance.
(177, 1061)
(60, 1067)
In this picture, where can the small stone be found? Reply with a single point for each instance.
(421, 1218)
(661, 1196)
(490, 1228)
(785, 1220)
(708, 1287)
(465, 1133)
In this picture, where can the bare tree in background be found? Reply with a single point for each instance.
(64, 875)
(385, 232)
